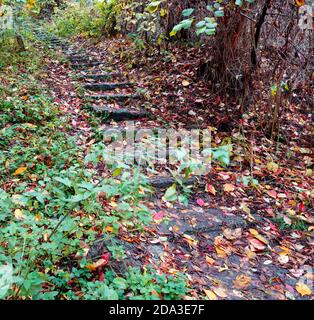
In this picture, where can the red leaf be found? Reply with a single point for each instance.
(200, 202)
(158, 215)
(272, 193)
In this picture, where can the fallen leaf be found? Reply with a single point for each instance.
(18, 214)
(283, 259)
(190, 240)
(228, 187)
(242, 281)
(99, 263)
(220, 292)
(20, 170)
(158, 216)
(210, 294)
(185, 83)
(210, 188)
(210, 261)
(200, 202)
(272, 166)
(272, 193)
(109, 229)
(258, 236)
(232, 234)
(257, 245)
(303, 289)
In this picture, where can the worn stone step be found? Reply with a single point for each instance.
(122, 114)
(94, 71)
(84, 65)
(116, 97)
(166, 182)
(77, 57)
(100, 76)
(79, 60)
(107, 86)
(73, 52)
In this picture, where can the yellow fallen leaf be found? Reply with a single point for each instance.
(18, 214)
(38, 217)
(98, 263)
(210, 294)
(284, 251)
(245, 208)
(309, 172)
(258, 236)
(228, 187)
(272, 166)
(253, 232)
(109, 229)
(190, 240)
(303, 289)
(20, 170)
(209, 260)
(185, 83)
(46, 236)
(242, 281)
(300, 3)
(249, 253)
(113, 204)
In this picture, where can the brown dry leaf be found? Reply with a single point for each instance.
(232, 234)
(20, 170)
(242, 281)
(303, 289)
(210, 294)
(220, 292)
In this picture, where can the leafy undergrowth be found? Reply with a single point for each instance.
(54, 207)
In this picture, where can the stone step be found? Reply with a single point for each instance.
(77, 56)
(83, 59)
(122, 114)
(93, 71)
(107, 86)
(73, 52)
(84, 65)
(116, 97)
(100, 76)
(166, 182)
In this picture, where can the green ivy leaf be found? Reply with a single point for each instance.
(187, 12)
